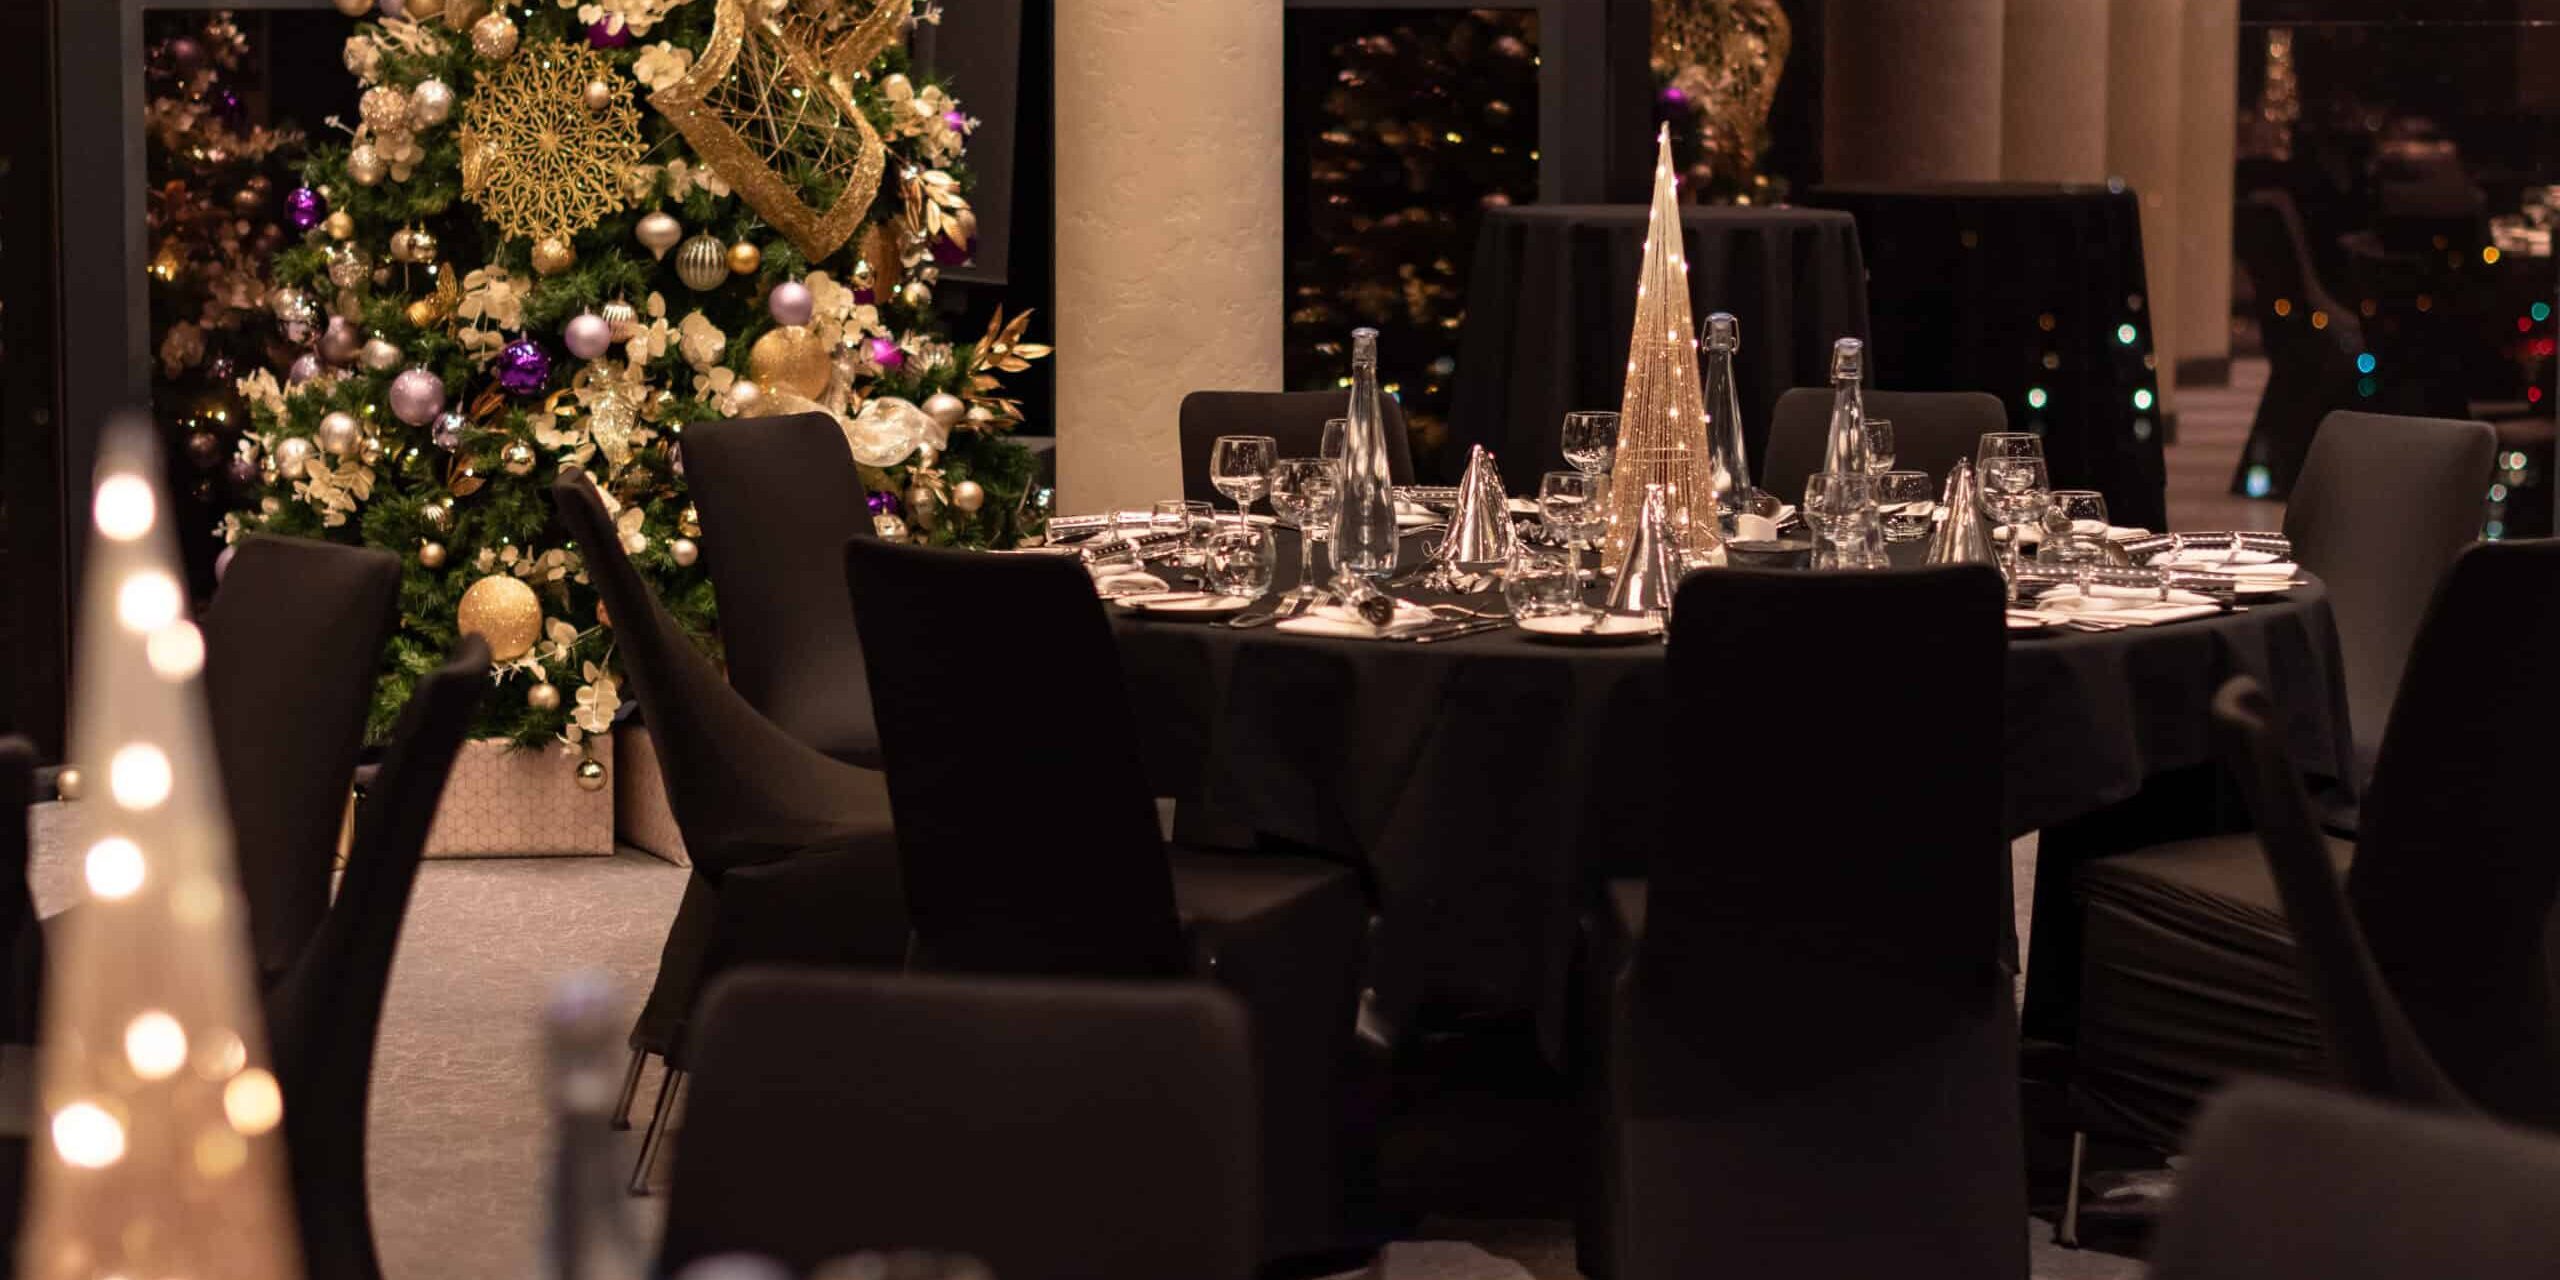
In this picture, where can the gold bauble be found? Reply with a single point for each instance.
(424, 313)
(518, 458)
(684, 551)
(543, 697)
(744, 258)
(403, 243)
(339, 225)
(967, 497)
(67, 783)
(364, 164)
(503, 611)
(494, 37)
(431, 555)
(792, 358)
(552, 255)
(424, 10)
(355, 8)
(916, 293)
(590, 775)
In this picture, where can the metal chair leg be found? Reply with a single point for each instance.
(655, 1140)
(630, 1089)
(2067, 1232)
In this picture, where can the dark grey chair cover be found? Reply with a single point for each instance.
(777, 496)
(1293, 418)
(1056, 1130)
(2288, 1183)
(1932, 431)
(2384, 504)
(1812, 1058)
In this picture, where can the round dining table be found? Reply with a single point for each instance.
(1484, 784)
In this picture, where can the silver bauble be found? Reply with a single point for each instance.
(349, 265)
(590, 775)
(292, 306)
(945, 408)
(364, 164)
(702, 263)
(658, 232)
(621, 318)
(385, 108)
(518, 458)
(338, 433)
(380, 354)
(886, 431)
(744, 397)
(967, 497)
(916, 293)
(494, 37)
(684, 551)
(543, 697)
(431, 103)
(293, 453)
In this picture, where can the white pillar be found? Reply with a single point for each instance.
(2053, 110)
(1168, 134)
(1911, 91)
(2143, 81)
(2208, 124)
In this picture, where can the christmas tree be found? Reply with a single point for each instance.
(565, 234)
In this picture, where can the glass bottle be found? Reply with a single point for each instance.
(1364, 531)
(1845, 450)
(591, 1234)
(1727, 466)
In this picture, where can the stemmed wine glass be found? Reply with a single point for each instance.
(1240, 467)
(2009, 466)
(1879, 437)
(1591, 441)
(1336, 440)
(1307, 492)
(1841, 507)
(1575, 506)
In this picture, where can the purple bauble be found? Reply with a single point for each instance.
(885, 353)
(587, 335)
(243, 473)
(304, 368)
(417, 396)
(605, 33)
(958, 121)
(884, 503)
(952, 251)
(186, 53)
(864, 297)
(790, 303)
(222, 561)
(448, 433)
(304, 207)
(523, 367)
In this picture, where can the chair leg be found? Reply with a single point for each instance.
(2067, 1232)
(630, 1089)
(655, 1140)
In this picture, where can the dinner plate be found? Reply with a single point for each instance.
(1576, 629)
(1186, 604)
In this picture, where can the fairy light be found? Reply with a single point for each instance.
(147, 602)
(86, 1137)
(138, 776)
(125, 508)
(114, 868)
(155, 1045)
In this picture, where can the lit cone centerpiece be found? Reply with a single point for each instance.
(1662, 420)
(158, 1149)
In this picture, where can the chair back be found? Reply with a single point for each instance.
(777, 496)
(2455, 878)
(322, 1019)
(2376, 1050)
(1932, 431)
(293, 647)
(1293, 418)
(1066, 873)
(2283, 1182)
(743, 791)
(2382, 506)
(21, 938)
(1056, 1130)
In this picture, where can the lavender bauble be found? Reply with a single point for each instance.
(523, 367)
(448, 432)
(304, 368)
(341, 341)
(417, 396)
(587, 335)
(791, 304)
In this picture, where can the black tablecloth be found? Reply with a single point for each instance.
(2025, 291)
(1484, 782)
(1552, 295)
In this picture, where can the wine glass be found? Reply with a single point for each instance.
(1879, 436)
(1575, 507)
(1240, 467)
(1239, 560)
(1591, 440)
(1336, 440)
(2009, 468)
(2075, 527)
(1541, 582)
(1307, 492)
(1187, 518)
(1841, 507)
(1905, 501)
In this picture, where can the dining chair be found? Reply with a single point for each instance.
(776, 496)
(2311, 369)
(1932, 431)
(324, 1015)
(1810, 1046)
(1063, 871)
(2383, 505)
(791, 861)
(2203, 962)
(2289, 1183)
(1057, 1130)
(1293, 418)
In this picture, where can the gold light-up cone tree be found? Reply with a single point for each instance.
(158, 1151)
(1662, 420)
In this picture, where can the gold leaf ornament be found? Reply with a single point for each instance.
(536, 159)
(771, 95)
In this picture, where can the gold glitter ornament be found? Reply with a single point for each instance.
(364, 164)
(535, 160)
(494, 37)
(502, 610)
(792, 358)
(385, 108)
(339, 225)
(702, 262)
(552, 255)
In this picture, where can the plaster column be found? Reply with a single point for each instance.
(2143, 82)
(2053, 109)
(1911, 92)
(2208, 125)
(1168, 135)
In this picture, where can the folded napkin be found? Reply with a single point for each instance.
(2231, 558)
(1339, 620)
(1114, 581)
(2133, 606)
(1750, 528)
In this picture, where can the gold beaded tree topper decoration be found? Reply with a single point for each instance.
(158, 1148)
(769, 105)
(536, 158)
(1662, 420)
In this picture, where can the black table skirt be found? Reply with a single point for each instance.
(1483, 784)
(1551, 301)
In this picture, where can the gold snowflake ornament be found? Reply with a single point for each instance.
(535, 157)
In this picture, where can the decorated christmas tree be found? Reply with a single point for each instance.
(566, 234)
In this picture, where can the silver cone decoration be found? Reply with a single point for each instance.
(1958, 538)
(1651, 572)
(1479, 536)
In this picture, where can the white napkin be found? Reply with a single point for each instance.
(1340, 620)
(1750, 528)
(2227, 558)
(1116, 580)
(2133, 606)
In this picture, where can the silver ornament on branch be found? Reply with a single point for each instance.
(659, 232)
(349, 265)
(306, 366)
(422, 245)
(380, 354)
(590, 775)
(417, 396)
(494, 37)
(702, 263)
(916, 293)
(385, 108)
(518, 458)
(886, 431)
(338, 433)
(946, 408)
(543, 697)
(292, 455)
(684, 551)
(744, 397)
(292, 306)
(621, 319)
(364, 164)
(431, 103)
